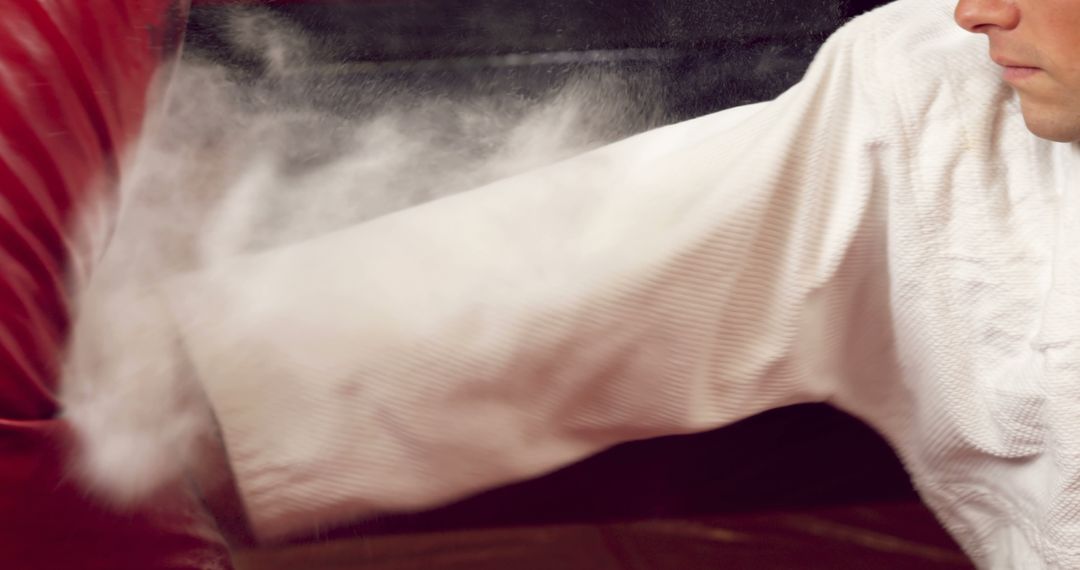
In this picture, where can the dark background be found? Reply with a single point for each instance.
(694, 56)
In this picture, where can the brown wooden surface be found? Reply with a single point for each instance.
(878, 536)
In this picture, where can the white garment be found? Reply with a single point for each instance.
(886, 236)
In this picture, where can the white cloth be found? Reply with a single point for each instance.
(886, 236)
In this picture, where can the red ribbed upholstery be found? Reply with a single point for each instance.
(73, 81)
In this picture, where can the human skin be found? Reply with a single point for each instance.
(1037, 43)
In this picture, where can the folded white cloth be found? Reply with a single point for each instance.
(885, 236)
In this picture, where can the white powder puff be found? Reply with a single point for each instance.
(227, 167)
(136, 409)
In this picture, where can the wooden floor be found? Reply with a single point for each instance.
(901, 536)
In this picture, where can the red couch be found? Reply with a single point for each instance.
(74, 78)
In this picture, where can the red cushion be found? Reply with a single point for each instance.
(73, 81)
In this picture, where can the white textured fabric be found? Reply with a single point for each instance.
(885, 236)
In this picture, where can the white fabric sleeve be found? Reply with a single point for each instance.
(673, 282)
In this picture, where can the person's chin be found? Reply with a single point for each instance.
(1051, 124)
